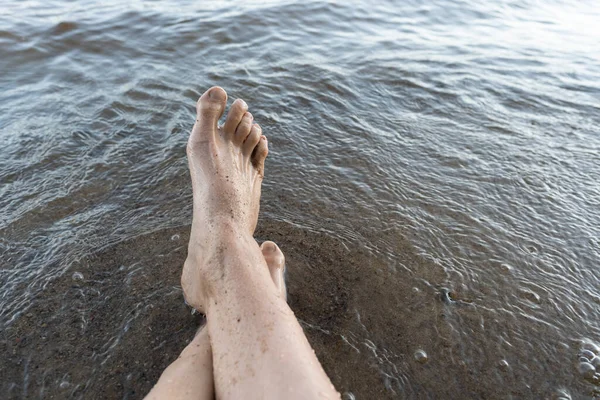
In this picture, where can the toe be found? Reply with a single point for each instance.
(260, 154)
(276, 263)
(252, 140)
(209, 109)
(234, 117)
(243, 128)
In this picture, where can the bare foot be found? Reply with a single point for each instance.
(227, 168)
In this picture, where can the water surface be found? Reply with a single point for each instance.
(433, 179)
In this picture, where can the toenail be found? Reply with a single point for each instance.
(243, 103)
(269, 247)
(212, 92)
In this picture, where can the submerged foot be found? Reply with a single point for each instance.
(227, 168)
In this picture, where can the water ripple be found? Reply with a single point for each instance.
(433, 179)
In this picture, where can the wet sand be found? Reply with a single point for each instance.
(66, 347)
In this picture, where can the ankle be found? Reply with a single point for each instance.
(218, 227)
(232, 258)
(220, 244)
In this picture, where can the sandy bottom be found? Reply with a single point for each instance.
(111, 324)
(67, 346)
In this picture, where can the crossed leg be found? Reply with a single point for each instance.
(259, 350)
(190, 377)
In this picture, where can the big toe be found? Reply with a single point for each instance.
(276, 263)
(210, 108)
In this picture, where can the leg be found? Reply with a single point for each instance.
(190, 377)
(259, 348)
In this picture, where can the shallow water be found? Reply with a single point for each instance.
(433, 179)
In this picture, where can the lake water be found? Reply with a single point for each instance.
(433, 178)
